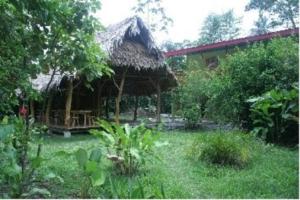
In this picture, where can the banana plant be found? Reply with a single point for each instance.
(91, 167)
(126, 146)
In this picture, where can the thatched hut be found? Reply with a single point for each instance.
(139, 70)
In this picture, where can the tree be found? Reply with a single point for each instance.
(262, 25)
(220, 27)
(177, 62)
(37, 36)
(154, 14)
(281, 12)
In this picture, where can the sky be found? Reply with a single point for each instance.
(188, 15)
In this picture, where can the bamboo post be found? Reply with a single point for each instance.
(68, 106)
(48, 108)
(119, 96)
(99, 99)
(136, 104)
(158, 107)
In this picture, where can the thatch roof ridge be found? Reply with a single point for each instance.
(131, 30)
(42, 80)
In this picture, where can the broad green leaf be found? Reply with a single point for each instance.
(91, 166)
(98, 178)
(81, 157)
(106, 126)
(96, 155)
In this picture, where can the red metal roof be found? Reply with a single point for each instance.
(235, 42)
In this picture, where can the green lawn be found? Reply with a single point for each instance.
(272, 172)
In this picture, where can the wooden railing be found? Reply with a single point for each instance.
(79, 118)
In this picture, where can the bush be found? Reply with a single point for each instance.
(275, 116)
(223, 149)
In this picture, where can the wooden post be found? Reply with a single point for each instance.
(119, 96)
(99, 99)
(158, 107)
(48, 108)
(106, 107)
(32, 109)
(68, 107)
(136, 105)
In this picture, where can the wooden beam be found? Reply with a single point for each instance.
(68, 106)
(48, 108)
(119, 96)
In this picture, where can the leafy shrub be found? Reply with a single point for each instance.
(192, 96)
(192, 115)
(127, 147)
(275, 116)
(222, 149)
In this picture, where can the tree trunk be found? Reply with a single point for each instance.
(48, 109)
(32, 109)
(136, 105)
(68, 107)
(158, 107)
(118, 98)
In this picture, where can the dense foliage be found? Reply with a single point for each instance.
(222, 94)
(275, 116)
(251, 72)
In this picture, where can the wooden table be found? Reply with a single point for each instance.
(84, 113)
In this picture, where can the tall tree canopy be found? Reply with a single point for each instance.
(37, 36)
(261, 26)
(154, 13)
(281, 12)
(220, 27)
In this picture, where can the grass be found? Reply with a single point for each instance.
(272, 172)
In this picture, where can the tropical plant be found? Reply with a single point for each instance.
(275, 116)
(127, 147)
(18, 168)
(92, 169)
